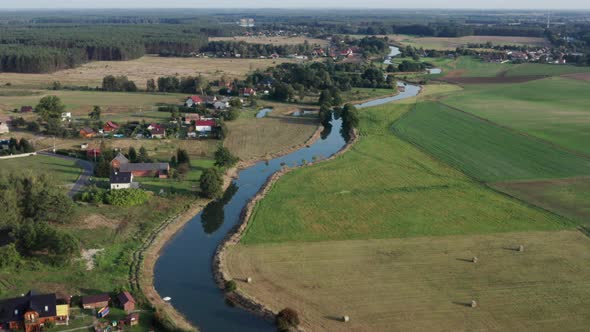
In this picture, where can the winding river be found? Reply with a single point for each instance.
(184, 272)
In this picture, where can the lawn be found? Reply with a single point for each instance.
(533, 69)
(425, 283)
(484, 150)
(384, 187)
(554, 109)
(63, 171)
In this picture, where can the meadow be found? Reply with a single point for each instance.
(484, 150)
(425, 283)
(142, 69)
(554, 109)
(385, 187)
(63, 171)
(451, 43)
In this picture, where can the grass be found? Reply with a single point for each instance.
(384, 187)
(186, 184)
(554, 109)
(142, 69)
(568, 197)
(425, 283)
(484, 150)
(533, 69)
(451, 43)
(357, 94)
(63, 171)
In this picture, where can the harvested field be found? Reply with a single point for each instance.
(444, 43)
(142, 69)
(274, 40)
(568, 197)
(425, 283)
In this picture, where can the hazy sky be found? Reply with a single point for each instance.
(518, 4)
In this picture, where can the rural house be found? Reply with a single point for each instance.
(157, 131)
(121, 180)
(247, 92)
(204, 126)
(87, 132)
(118, 160)
(110, 127)
(193, 100)
(29, 312)
(66, 116)
(95, 301)
(121, 164)
(26, 109)
(4, 127)
(126, 301)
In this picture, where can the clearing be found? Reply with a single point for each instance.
(484, 150)
(274, 40)
(425, 283)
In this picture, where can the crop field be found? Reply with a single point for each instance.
(568, 197)
(450, 43)
(274, 40)
(254, 138)
(484, 150)
(416, 284)
(554, 109)
(142, 69)
(384, 187)
(63, 171)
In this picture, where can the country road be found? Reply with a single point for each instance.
(88, 171)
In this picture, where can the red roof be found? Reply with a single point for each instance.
(157, 129)
(196, 99)
(204, 123)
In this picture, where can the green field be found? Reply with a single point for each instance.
(483, 150)
(384, 187)
(533, 69)
(63, 171)
(554, 109)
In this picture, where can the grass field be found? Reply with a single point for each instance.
(425, 283)
(554, 109)
(275, 40)
(568, 197)
(63, 171)
(384, 187)
(483, 150)
(142, 69)
(449, 43)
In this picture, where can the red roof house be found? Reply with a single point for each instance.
(193, 100)
(157, 130)
(248, 92)
(204, 125)
(127, 301)
(110, 127)
(93, 153)
(26, 109)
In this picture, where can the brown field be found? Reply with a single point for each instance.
(444, 43)
(142, 69)
(425, 284)
(275, 40)
(251, 138)
(568, 197)
(579, 76)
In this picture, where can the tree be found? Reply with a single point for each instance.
(325, 115)
(50, 107)
(143, 156)
(9, 256)
(182, 157)
(325, 97)
(132, 155)
(232, 114)
(103, 168)
(95, 114)
(224, 158)
(25, 146)
(390, 68)
(235, 102)
(211, 183)
(286, 319)
(350, 116)
(151, 85)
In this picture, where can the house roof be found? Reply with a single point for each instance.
(91, 299)
(121, 158)
(125, 297)
(205, 123)
(87, 130)
(26, 109)
(14, 309)
(131, 167)
(209, 99)
(112, 125)
(157, 129)
(121, 177)
(196, 99)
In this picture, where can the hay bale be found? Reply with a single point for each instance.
(521, 248)
(345, 319)
(474, 259)
(473, 304)
(249, 280)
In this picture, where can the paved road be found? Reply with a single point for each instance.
(84, 179)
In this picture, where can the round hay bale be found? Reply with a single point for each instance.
(521, 248)
(345, 319)
(474, 259)
(473, 304)
(249, 280)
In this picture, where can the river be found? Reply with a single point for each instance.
(184, 269)
(393, 52)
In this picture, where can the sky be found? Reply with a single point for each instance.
(467, 4)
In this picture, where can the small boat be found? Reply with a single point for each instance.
(167, 299)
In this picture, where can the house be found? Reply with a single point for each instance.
(209, 100)
(160, 170)
(29, 312)
(95, 301)
(157, 131)
(110, 127)
(221, 105)
(121, 180)
(4, 127)
(274, 56)
(126, 301)
(347, 53)
(190, 117)
(132, 319)
(318, 52)
(66, 116)
(204, 125)
(62, 314)
(118, 160)
(193, 100)
(93, 153)
(26, 109)
(246, 92)
(87, 132)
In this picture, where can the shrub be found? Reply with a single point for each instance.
(230, 286)
(286, 319)
(126, 197)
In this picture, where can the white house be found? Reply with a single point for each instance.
(121, 180)
(4, 128)
(204, 125)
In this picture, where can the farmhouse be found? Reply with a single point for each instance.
(121, 180)
(121, 164)
(126, 301)
(95, 301)
(247, 92)
(204, 126)
(87, 132)
(193, 100)
(26, 109)
(157, 131)
(110, 127)
(4, 127)
(29, 312)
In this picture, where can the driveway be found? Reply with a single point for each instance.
(84, 179)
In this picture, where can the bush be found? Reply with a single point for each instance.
(286, 319)
(230, 286)
(126, 197)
